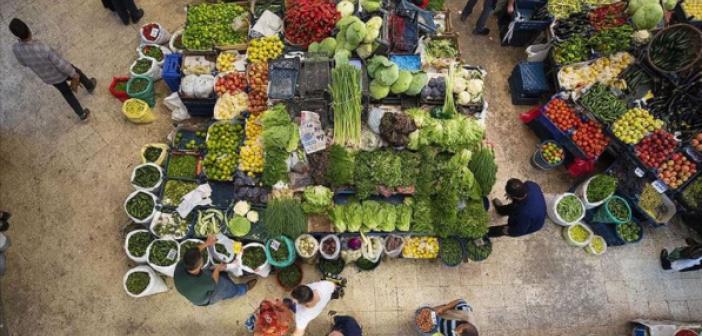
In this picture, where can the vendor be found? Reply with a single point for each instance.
(203, 287)
(310, 299)
(456, 319)
(683, 259)
(527, 212)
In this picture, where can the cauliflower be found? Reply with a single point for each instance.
(475, 86)
(459, 85)
(464, 98)
(252, 216)
(241, 208)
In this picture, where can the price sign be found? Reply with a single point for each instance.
(275, 245)
(639, 172)
(172, 254)
(154, 32)
(236, 247)
(659, 186)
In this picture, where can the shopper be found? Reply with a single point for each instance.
(272, 318)
(50, 66)
(527, 212)
(488, 6)
(203, 287)
(683, 259)
(345, 326)
(456, 319)
(4, 220)
(126, 9)
(310, 302)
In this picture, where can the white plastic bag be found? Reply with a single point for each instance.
(154, 72)
(187, 86)
(178, 110)
(372, 248)
(315, 249)
(159, 35)
(395, 252)
(155, 186)
(148, 218)
(552, 210)
(241, 23)
(156, 284)
(164, 50)
(581, 192)
(174, 37)
(136, 259)
(332, 256)
(165, 270)
(268, 24)
(376, 113)
(537, 52)
(228, 245)
(204, 85)
(263, 270)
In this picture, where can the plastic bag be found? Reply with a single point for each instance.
(140, 115)
(148, 218)
(155, 186)
(552, 210)
(161, 158)
(228, 245)
(154, 71)
(268, 24)
(165, 270)
(376, 113)
(330, 256)
(187, 85)
(164, 50)
(263, 270)
(178, 110)
(136, 259)
(204, 85)
(537, 52)
(153, 32)
(241, 23)
(156, 284)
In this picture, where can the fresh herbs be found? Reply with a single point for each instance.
(138, 85)
(284, 216)
(385, 168)
(141, 66)
(395, 128)
(138, 243)
(629, 232)
(137, 282)
(484, 169)
(450, 252)
(140, 206)
(146, 176)
(182, 166)
(253, 257)
(151, 154)
(174, 190)
(619, 209)
(441, 48)
(331, 266)
(290, 276)
(161, 251)
(340, 168)
(346, 100)
(570, 208)
(600, 187)
(221, 249)
(281, 254)
(152, 51)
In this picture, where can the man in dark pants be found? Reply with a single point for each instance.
(126, 9)
(527, 212)
(50, 66)
(683, 259)
(488, 6)
(345, 326)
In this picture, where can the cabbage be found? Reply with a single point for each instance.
(464, 98)
(346, 21)
(370, 5)
(371, 35)
(387, 75)
(345, 8)
(377, 90)
(419, 80)
(669, 5)
(365, 50)
(355, 33)
(634, 5)
(375, 23)
(313, 47)
(342, 56)
(475, 86)
(376, 63)
(402, 83)
(648, 16)
(327, 46)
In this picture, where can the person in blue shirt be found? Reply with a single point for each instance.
(527, 212)
(345, 326)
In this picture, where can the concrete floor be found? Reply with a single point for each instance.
(65, 182)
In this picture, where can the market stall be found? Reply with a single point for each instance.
(336, 134)
(624, 118)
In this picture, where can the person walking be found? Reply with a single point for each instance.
(456, 319)
(345, 326)
(527, 212)
(683, 259)
(126, 9)
(311, 300)
(488, 6)
(50, 66)
(203, 287)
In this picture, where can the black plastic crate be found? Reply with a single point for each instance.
(282, 77)
(314, 78)
(200, 107)
(222, 193)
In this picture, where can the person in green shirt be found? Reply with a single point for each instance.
(204, 287)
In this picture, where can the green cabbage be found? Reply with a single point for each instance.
(355, 33)
(419, 81)
(370, 5)
(669, 5)
(341, 56)
(634, 5)
(648, 16)
(346, 21)
(318, 199)
(378, 91)
(313, 47)
(365, 50)
(327, 46)
(345, 8)
(388, 75)
(374, 23)
(402, 83)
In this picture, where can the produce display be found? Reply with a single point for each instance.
(209, 25)
(578, 233)
(290, 276)
(600, 188)
(572, 50)
(563, 8)
(656, 148)
(284, 216)
(265, 48)
(468, 87)
(552, 153)
(677, 170)
(138, 85)
(609, 16)
(226, 61)
(561, 114)
(696, 142)
(174, 190)
(194, 144)
(674, 48)
(231, 82)
(395, 128)
(693, 8)
(182, 166)
(421, 248)
(629, 232)
(597, 245)
(450, 252)
(137, 282)
(482, 164)
(331, 266)
(601, 102)
(281, 254)
(576, 24)
(248, 189)
(258, 84)
(570, 208)
(424, 321)
(231, 105)
(142, 65)
(346, 100)
(612, 40)
(238, 226)
(604, 70)
(208, 222)
(251, 153)
(634, 125)
(317, 199)
(478, 249)
(590, 138)
(140, 206)
(161, 252)
(146, 176)
(692, 195)
(223, 140)
(170, 225)
(441, 48)
(618, 209)
(253, 257)
(138, 243)
(308, 21)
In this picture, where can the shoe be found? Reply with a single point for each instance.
(496, 202)
(138, 16)
(5, 215)
(94, 82)
(483, 31)
(665, 263)
(85, 115)
(464, 16)
(251, 284)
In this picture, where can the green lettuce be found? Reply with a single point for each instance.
(317, 199)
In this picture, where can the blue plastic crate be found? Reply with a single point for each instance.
(530, 4)
(522, 20)
(519, 97)
(171, 71)
(531, 78)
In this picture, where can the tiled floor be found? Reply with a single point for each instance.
(65, 182)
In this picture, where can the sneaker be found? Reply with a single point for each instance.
(94, 82)
(665, 263)
(85, 115)
(483, 31)
(251, 284)
(138, 16)
(4, 215)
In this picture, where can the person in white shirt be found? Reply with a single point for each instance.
(311, 300)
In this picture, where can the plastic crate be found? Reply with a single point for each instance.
(171, 71)
(222, 193)
(531, 78)
(520, 37)
(530, 4)
(200, 107)
(519, 97)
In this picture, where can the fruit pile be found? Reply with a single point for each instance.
(226, 61)
(634, 125)
(231, 82)
(696, 142)
(656, 148)
(308, 21)
(677, 170)
(552, 153)
(590, 139)
(578, 233)
(421, 248)
(251, 152)
(265, 48)
(629, 232)
(258, 82)
(561, 114)
(608, 16)
(221, 159)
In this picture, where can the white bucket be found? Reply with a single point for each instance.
(263, 271)
(552, 210)
(156, 284)
(159, 37)
(165, 270)
(148, 218)
(136, 259)
(155, 186)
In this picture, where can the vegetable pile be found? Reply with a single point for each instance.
(138, 243)
(395, 128)
(634, 125)
(174, 190)
(482, 164)
(317, 199)
(603, 104)
(572, 50)
(140, 206)
(421, 248)
(142, 65)
(590, 138)
(223, 140)
(576, 24)
(210, 25)
(563, 8)
(612, 40)
(251, 153)
(253, 257)
(603, 70)
(331, 266)
(146, 176)
(137, 282)
(247, 189)
(182, 166)
(629, 232)
(608, 16)
(674, 49)
(280, 136)
(290, 276)
(619, 209)
(346, 97)
(171, 225)
(677, 170)
(208, 222)
(222, 250)
(600, 188)
(284, 216)
(258, 84)
(578, 233)
(161, 251)
(692, 195)
(570, 208)
(308, 21)
(281, 254)
(561, 114)
(372, 216)
(450, 252)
